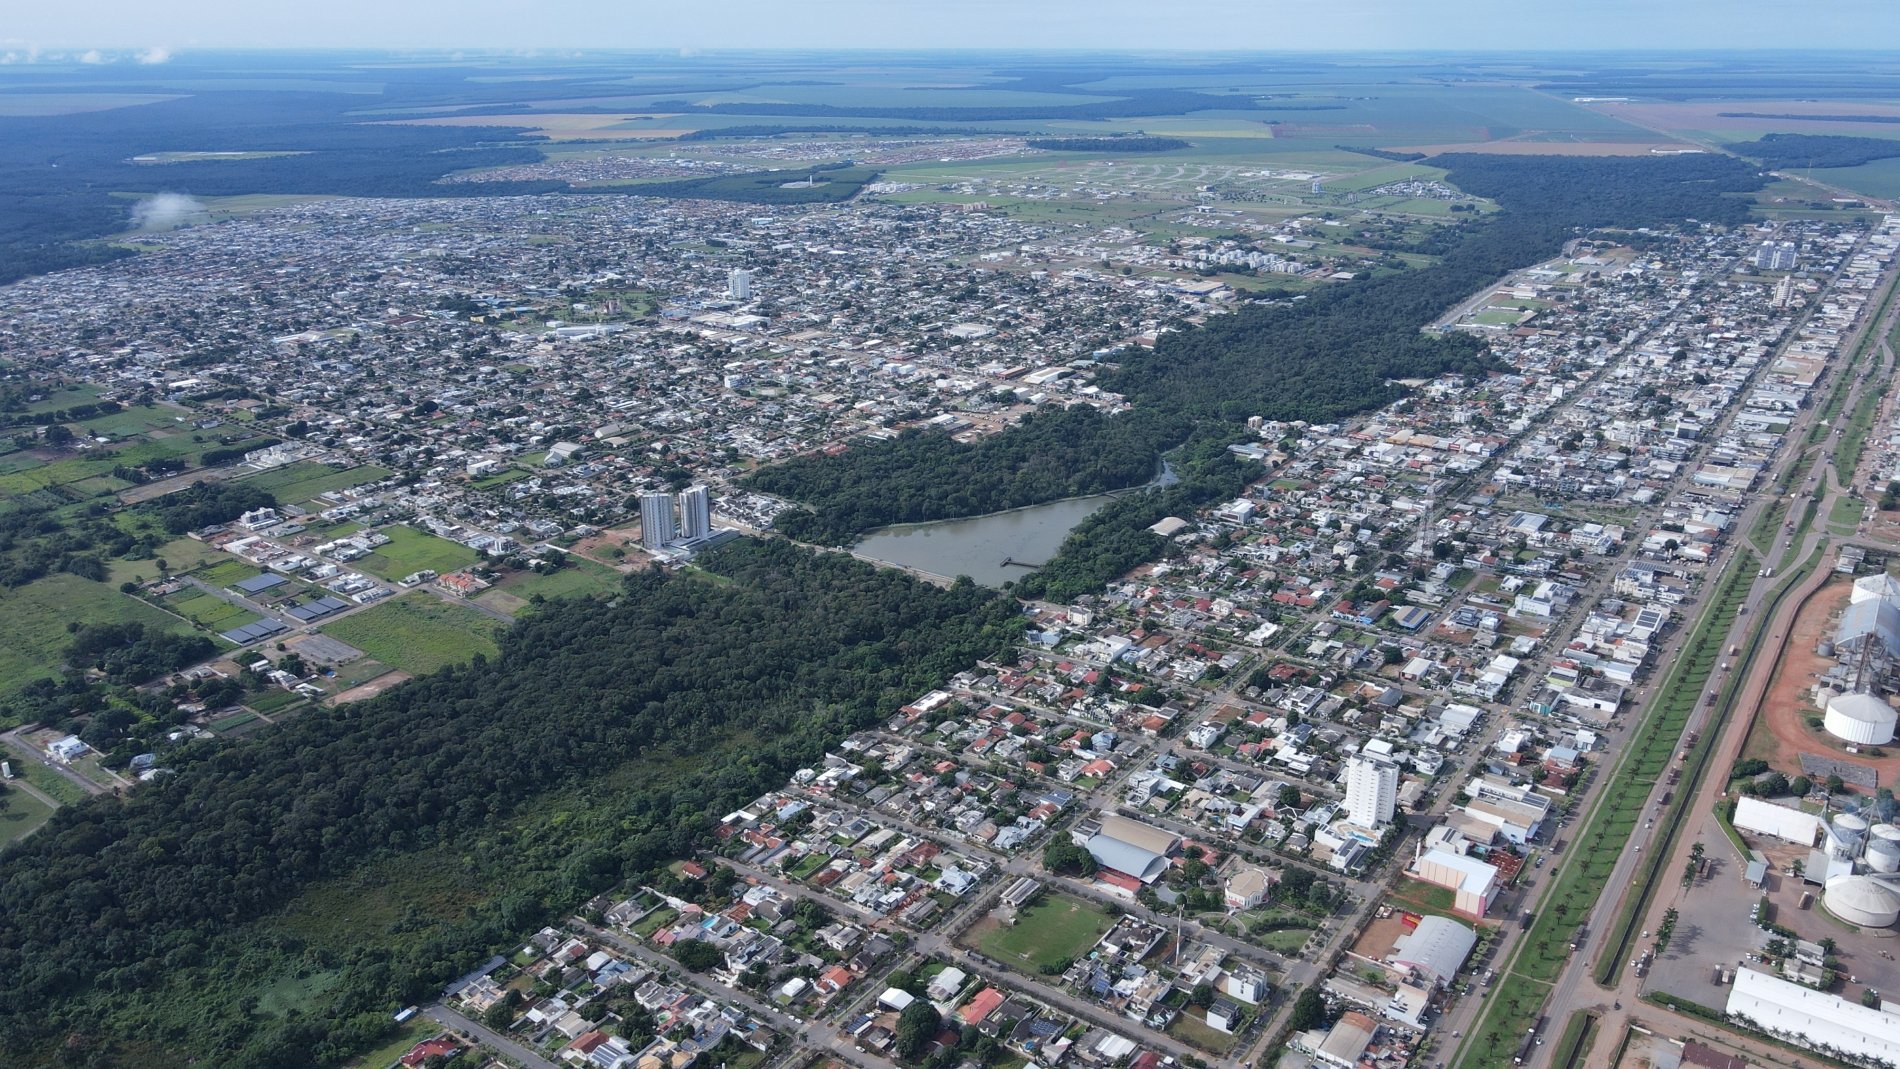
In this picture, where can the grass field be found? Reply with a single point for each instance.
(52, 784)
(580, 578)
(33, 621)
(294, 484)
(418, 633)
(23, 813)
(410, 551)
(1192, 1028)
(1054, 930)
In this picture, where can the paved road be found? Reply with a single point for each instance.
(1570, 993)
(27, 752)
(799, 1030)
(488, 1037)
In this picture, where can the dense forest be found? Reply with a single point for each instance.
(1382, 154)
(1322, 359)
(123, 924)
(929, 475)
(1790, 151)
(1807, 118)
(1133, 143)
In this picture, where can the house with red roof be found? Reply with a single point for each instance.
(977, 1009)
(441, 1046)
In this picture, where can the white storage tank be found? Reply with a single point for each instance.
(1862, 900)
(1885, 831)
(1846, 835)
(1862, 719)
(1883, 855)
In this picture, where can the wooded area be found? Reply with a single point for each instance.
(126, 923)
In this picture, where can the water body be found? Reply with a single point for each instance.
(977, 546)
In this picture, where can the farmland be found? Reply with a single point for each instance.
(34, 618)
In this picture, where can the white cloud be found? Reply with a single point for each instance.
(155, 54)
(163, 211)
(92, 57)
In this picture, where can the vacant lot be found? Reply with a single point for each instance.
(22, 814)
(410, 551)
(294, 484)
(418, 633)
(1054, 930)
(33, 621)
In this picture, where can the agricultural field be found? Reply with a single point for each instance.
(418, 633)
(1054, 930)
(410, 551)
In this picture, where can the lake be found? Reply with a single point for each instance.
(977, 545)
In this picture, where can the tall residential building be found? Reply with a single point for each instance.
(739, 284)
(1372, 791)
(656, 520)
(695, 513)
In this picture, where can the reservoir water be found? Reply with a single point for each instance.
(977, 546)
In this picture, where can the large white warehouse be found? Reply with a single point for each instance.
(1814, 1017)
(1863, 719)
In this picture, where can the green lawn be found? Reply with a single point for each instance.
(23, 813)
(33, 621)
(410, 551)
(1054, 930)
(418, 633)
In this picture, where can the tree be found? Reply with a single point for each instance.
(916, 1027)
(1836, 784)
(1065, 858)
(697, 954)
(1309, 1011)
(1800, 786)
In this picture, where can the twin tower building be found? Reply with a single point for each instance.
(675, 519)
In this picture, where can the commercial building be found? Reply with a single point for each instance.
(1435, 950)
(1131, 847)
(1372, 790)
(1473, 883)
(1815, 1018)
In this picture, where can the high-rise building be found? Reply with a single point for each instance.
(1372, 790)
(656, 520)
(695, 513)
(739, 284)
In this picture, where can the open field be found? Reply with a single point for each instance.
(418, 633)
(294, 484)
(410, 550)
(22, 814)
(1554, 148)
(1054, 930)
(33, 621)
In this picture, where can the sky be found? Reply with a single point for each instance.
(159, 30)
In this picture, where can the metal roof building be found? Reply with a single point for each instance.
(1814, 1017)
(1438, 948)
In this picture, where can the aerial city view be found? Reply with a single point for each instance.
(1043, 536)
